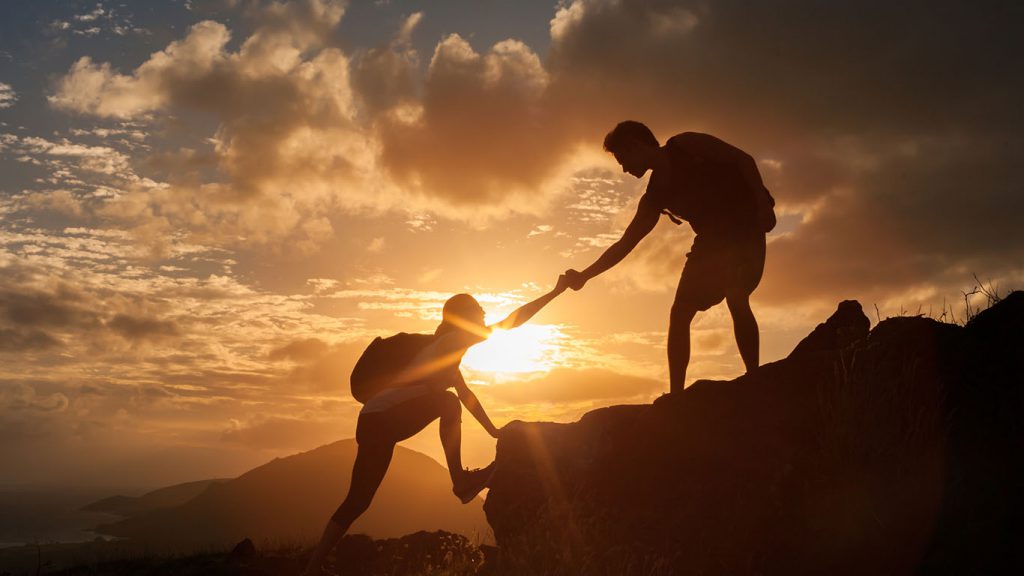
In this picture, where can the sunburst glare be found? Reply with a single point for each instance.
(526, 349)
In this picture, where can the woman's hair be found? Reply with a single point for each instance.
(627, 132)
(457, 311)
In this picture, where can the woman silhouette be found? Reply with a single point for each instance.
(399, 412)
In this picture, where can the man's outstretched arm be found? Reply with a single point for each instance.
(643, 222)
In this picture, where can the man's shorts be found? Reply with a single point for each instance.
(717, 267)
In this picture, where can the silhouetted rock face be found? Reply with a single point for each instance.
(244, 549)
(847, 325)
(892, 452)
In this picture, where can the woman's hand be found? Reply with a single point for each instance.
(575, 279)
(509, 426)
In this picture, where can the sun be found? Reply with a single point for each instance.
(529, 348)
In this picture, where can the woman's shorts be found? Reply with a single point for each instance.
(406, 419)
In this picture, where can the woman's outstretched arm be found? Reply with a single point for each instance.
(522, 314)
(470, 401)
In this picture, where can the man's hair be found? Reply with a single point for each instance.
(627, 132)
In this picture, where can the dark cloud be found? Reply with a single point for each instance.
(137, 328)
(59, 308)
(16, 340)
(893, 128)
(385, 77)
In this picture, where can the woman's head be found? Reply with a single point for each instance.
(464, 312)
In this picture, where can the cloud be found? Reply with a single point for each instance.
(270, 433)
(304, 128)
(23, 397)
(300, 350)
(324, 370)
(385, 78)
(866, 158)
(101, 159)
(139, 328)
(286, 148)
(19, 340)
(97, 89)
(7, 96)
(483, 134)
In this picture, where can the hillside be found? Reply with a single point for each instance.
(166, 497)
(289, 500)
(891, 452)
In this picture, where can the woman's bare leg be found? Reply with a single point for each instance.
(372, 461)
(450, 428)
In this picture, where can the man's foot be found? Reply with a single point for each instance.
(473, 481)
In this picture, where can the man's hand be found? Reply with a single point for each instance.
(575, 279)
(561, 284)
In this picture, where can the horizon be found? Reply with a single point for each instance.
(209, 208)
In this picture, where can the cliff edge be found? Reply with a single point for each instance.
(893, 451)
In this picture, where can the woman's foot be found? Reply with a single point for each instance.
(472, 482)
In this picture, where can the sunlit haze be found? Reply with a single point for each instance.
(209, 208)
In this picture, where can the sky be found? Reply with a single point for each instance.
(209, 207)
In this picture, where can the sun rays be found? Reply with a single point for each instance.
(526, 349)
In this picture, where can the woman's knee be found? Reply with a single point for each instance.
(351, 509)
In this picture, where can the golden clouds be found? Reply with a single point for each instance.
(285, 140)
(483, 139)
(7, 96)
(97, 89)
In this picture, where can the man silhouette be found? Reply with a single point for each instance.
(717, 188)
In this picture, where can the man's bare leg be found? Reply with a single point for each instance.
(679, 345)
(745, 327)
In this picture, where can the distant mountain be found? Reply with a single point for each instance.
(161, 498)
(290, 499)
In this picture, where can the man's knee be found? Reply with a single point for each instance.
(450, 406)
(738, 303)
(681, 315)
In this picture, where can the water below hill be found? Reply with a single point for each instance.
(36, 515)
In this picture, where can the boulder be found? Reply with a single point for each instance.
(895, 451)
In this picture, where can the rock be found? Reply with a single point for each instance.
(422, 552)
(244, 549)
(895, 451)
(844, 327)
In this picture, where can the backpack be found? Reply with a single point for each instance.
(765, 210)
(382, 362)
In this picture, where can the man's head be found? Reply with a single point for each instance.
(631, 143)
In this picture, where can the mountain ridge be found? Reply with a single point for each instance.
(291, 498)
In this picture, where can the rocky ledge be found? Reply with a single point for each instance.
(893, 451)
